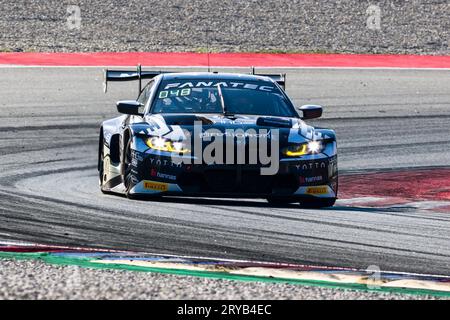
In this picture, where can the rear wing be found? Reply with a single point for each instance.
(278, 78)
(139, 75)
(127, 75)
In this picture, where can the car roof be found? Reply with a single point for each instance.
(214, 76)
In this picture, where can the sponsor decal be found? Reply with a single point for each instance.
(155, 173)
(317, 190)
(236, 134)
(311, 165)
(134, 180)
(211, 84)
(311, 179)
(136, 156)
(164, 163)
(156, 186)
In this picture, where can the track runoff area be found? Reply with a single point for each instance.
(423, 188)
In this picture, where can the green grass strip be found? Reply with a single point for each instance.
(88, 263)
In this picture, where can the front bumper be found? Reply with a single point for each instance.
(156, 174)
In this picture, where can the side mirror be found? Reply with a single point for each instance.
(311, 111)
(129, 107)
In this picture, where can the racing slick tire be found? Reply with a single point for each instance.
(126, 169)
(101, 165)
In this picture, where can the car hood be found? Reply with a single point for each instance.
(177, 126)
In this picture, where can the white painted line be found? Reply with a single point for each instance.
(425, 205)
(361, 200)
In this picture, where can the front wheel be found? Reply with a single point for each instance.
(101, 164)
(317, 203)
(126, 167)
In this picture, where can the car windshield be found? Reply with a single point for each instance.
(239, 97)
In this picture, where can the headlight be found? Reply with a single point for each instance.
(161, 144)
(312, 147)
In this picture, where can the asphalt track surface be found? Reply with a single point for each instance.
(384, 119)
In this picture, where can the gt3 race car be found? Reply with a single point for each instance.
(216, 135)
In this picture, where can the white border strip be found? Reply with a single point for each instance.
(324, 268)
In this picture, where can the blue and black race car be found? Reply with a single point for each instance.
(216, 135)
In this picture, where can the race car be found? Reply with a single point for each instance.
(213, 134)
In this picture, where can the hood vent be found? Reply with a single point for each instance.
(273, 122)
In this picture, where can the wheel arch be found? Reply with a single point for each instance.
(101, 144)
(127, 134)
